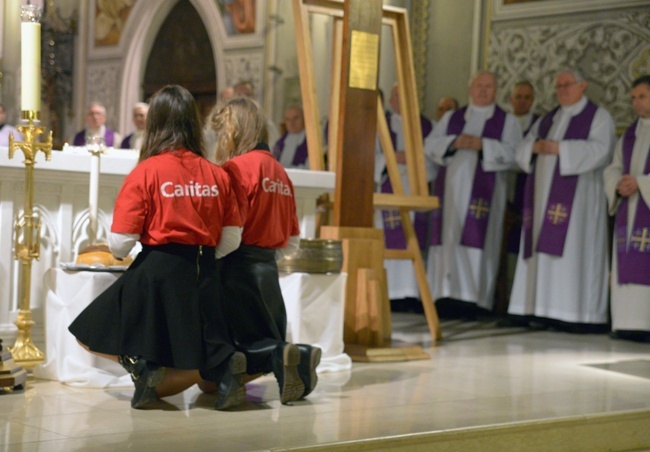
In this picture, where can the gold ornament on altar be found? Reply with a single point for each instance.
(28, 224)
(314, 256)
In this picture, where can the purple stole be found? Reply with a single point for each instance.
(299, 158)
(560, 199)
(393, 232)
(80, 138)
(633, 257)
(480, 201)
(126, 142)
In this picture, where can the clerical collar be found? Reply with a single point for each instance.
(484, 109)
(95, 132)
(575, 108)
(299, 135)
(644, 121)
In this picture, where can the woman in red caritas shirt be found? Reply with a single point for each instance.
(255, 307)
(161, 320)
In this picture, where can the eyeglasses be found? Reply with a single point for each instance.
(565, 85)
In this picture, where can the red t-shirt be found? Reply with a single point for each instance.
(266, 199)
(176, 197)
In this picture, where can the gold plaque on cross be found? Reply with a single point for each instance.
(364, 59)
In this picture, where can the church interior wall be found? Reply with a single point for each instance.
(607, 40)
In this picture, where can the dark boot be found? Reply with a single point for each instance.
(309, 360)
(232, 391)
(286, 358)
(146, 376)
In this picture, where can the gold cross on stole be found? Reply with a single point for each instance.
(640, 240)
(557, 213)
(393, 219)
(479, 208)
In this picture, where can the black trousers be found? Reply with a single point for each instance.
(253, 304)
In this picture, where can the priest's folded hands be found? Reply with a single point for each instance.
(469, 142)
(547, 147)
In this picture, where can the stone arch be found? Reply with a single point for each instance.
(140, 32)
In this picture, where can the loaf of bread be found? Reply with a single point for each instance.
(100, 255)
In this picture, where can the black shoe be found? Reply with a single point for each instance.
(286, 358)
(309, 360)
(146, 376)
(232, 390)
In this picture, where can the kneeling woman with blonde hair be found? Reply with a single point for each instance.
(254, 305)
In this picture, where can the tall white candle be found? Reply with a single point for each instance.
(93, 197)
(30, 66)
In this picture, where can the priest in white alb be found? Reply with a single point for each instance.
(402, 283)
(291, 149)
(627, 186)
(562, 266)
(474, 147)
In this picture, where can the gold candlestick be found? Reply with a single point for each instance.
(27, 237)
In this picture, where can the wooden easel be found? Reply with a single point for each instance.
(367, 329)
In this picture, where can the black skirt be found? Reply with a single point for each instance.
(166, 308)
(253, 304)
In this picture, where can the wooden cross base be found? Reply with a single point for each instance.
(397, 351)
(11, 375)
(367, 323)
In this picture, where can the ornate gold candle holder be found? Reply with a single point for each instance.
(27, 239)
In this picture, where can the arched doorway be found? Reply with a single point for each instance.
(182, 54)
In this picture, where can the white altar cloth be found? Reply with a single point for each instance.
(315, 308)
(314, 313)
(67, 294)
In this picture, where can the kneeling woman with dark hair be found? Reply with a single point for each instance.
(161, 320)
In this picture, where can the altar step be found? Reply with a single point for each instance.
(622, 431)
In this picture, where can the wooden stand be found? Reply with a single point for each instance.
(11, 375)
(354, 121)
(367, 325)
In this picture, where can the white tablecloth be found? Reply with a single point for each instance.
(67, 294)
(315, 307)
(314, 312)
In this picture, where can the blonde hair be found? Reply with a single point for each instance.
(239, 125)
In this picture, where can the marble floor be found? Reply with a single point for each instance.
(478, 375)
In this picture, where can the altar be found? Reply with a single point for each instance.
(61, 192)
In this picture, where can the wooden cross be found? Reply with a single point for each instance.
(353, 125)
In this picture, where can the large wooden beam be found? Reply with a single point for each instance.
(357, 129)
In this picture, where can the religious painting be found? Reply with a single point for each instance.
(238, 16)
(110, 17)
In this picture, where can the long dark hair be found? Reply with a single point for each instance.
(172, 123)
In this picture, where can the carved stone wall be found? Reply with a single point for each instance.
(246, 66)
(610, 49)
(103, 81)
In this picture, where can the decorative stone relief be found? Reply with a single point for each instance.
(102, 84)
(419, 16)
(249, 67)
(610, 53)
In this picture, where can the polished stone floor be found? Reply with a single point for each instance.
(478, 375)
